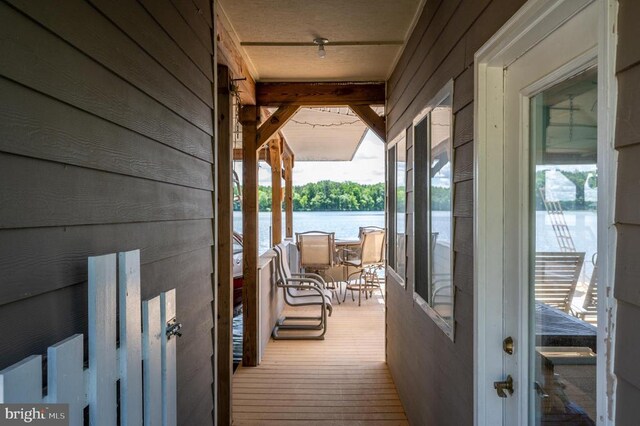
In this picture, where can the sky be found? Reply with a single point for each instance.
(367, 167)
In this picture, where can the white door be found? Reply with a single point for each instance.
(537, 225)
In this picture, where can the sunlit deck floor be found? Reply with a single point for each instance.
(342, 380)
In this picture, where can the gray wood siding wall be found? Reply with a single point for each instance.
(434, 375)
(105, 146)
(627, 287)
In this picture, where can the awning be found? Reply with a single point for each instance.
(325, 134)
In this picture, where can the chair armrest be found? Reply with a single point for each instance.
(304, 287)
(311, 281)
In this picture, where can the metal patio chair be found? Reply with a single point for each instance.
(369, 259)
(300, 290)
(317, 254)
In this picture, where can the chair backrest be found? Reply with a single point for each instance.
(317, 249)
(363, 229)
(556, 277)
(283, 273)
(590, 305)
(372, 247)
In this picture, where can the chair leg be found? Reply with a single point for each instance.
(275, 334)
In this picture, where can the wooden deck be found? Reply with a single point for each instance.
(342, 380)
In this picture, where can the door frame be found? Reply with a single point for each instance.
(532, 23)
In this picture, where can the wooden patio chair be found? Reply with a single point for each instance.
(301, 290)
(556, 277)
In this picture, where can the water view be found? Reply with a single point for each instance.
(344, 224)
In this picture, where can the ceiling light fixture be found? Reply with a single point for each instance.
(321, 42)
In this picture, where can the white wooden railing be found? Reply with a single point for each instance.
(96, 386)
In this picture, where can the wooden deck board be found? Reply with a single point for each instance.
(342, 380)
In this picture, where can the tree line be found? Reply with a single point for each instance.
(328, 196)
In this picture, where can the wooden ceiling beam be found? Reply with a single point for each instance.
(262, 155)
(320, 94)
(371, 118)
(275, 122)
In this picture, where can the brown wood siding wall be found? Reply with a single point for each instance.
(105, 146)
(627, 142)
(434, 375)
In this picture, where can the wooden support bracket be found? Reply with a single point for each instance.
(375, 122)
(276, 122)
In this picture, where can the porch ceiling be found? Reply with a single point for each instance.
(365, 37)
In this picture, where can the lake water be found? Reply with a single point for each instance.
(344, 224)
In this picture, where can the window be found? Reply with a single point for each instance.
(433, 170)
(397, 169)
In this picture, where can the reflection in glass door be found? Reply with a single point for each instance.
(563, 247)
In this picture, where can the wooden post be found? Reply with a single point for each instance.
(276, 191)
(288, 195)
(224, 320)
(249, 117)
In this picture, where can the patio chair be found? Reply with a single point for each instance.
(363, 229)
(589, 310)
(556, 277)
(317, 253)
(301, 290)
(369, 259)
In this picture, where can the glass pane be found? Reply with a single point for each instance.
(401, 205)
(421, 215)
(441, 217)
(563, 265)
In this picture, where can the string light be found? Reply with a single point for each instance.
(314, 125)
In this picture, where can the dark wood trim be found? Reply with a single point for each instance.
(371, 118)
(320, 94)
(224, 214)
(249, 117)
(276, 191)
(275, 122)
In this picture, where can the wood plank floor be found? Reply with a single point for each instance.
(342, 380)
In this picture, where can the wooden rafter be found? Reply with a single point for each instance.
(229, 54)
(320, 94)
(375, 122)
(275, 122)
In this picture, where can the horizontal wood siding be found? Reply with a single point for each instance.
(106, 146)
(627, 142)
(434, 375)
